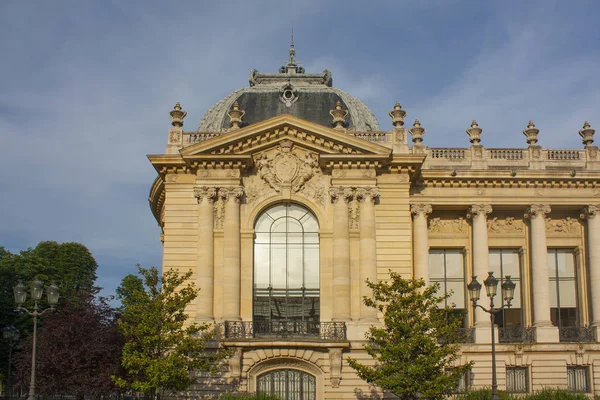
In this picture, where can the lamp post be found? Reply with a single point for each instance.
(491, 287)
(10, 334)
(37, 290)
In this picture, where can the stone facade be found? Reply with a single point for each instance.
(384, 204)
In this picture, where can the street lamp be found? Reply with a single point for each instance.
(508, 293)
(11, 335)
(37, 290)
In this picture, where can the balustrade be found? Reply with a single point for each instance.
(330, 331)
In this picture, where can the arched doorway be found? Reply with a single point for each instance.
(286, 272)
(287, 384)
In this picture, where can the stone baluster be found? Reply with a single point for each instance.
(421, 241)
(340, 197)
(481, 255)
(205, 256)
(368, 250)
(545, 331)
(593, 239)
(232, 197)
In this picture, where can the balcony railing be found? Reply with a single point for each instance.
(330, 331)
(519, 334)
(577, 334)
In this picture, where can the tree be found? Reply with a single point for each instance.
(416, 347)
(162, 348)
(78, 351)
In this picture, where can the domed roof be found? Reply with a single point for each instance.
(291, 91)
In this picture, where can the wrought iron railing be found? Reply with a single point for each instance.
(285, 329)
(577, 334)
(464, 335)
(518, 334)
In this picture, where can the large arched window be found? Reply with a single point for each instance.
(287, 384)
(286, 271)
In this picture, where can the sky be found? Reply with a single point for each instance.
(86, 87)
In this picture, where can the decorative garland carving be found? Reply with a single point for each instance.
(219, 211)
(354, 211)
(508, 225)
(438, 225)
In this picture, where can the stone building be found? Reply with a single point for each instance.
(288, 197)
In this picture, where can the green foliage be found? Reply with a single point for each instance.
(545, 394)
(161, 349)
(248, 396)
(71, 265)
(417, 343)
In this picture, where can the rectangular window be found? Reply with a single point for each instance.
(578, 379)
(503, 262)
(446, 267)
(517, 379)
(563, 287)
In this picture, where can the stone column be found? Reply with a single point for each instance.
(340, 197)
(540, 284)
(368, 250)
(420, 241)
(593, 245)
(205, 257)
(481, 255)
(231, 252)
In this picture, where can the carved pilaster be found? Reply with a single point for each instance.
(235, 364)
(205, 193)
(234, 193)
(364, 193)
(589, 212)
(344, 193)
(479, 209)
(420, 210)
(335, 367)
(537, 211)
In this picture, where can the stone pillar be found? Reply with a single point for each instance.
(593, 245)
(481, 255)
(231, 252)
(420, 241)
(340, 197)
(205, 257)
(368, 250)
(540, 284)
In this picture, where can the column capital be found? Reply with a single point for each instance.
(231, 192)
(421, 209)
(479, 209)
(341, 192)
(589, 212)
(537, 211)
(371, 192)
(205, 192)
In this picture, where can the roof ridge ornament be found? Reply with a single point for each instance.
(397, 115)
(177, 115)
(417, 132)
(587, 134)
(235, 116)
(531, 133)
(291, 67)
(474, 133)
(339, 116)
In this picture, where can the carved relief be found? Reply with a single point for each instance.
(286, 168)
(508, 225)
(219, 213)
(564, 225)
(174, 136)
(172, 178)
(335, 362)
(354, 212)
(438, 225)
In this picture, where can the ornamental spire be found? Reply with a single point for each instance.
(291, 67)
(292, 61)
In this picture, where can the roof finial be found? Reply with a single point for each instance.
(292, 61)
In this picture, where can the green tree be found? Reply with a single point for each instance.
(416, 347)
(162, 349)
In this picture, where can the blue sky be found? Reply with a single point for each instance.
(86, 87)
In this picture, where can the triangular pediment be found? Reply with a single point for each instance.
(266, 134)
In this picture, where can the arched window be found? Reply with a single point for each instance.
(286, 272)
(287, 384)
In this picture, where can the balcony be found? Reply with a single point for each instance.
(577, 334)
(285, 330)
(517, 334)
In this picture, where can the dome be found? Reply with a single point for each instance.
(291, 91)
